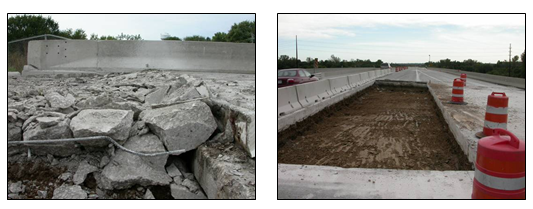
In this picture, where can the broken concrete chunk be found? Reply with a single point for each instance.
(65, 176)
(181, 94)
(224, 178)
(141, 93)
(181, 126)
(157, 96)
(104, 161)
(126, 170)
(15, 187)
(113, 123)
(46, 122)
(83, 170)
(148, 195)
(126, 105)
(173, 171)
(56, 100)
(202, 90)
(42, 194)
(69, 192)
(97, 101)
(191, 185)
(14, 132)
(139, 128)
(59, 131)
(181, 192)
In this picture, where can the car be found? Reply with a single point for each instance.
(289, 77)
(386, 66)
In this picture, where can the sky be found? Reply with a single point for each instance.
(402, 38)
(150, 26)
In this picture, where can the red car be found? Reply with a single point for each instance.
(289, 77)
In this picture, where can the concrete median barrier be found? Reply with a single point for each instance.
(313, 92)
(287, 100)
(365, 77)
(125, 56)
(372, 74)
(355, 80)
(339, 84)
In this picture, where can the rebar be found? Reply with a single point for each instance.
(98, 138)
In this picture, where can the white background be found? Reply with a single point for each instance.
(266, 20)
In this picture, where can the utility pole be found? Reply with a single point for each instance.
(429, 60)
(509, 60)
(297, 65)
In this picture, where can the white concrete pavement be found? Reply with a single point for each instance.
(325, 182)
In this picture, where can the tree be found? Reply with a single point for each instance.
(23, 26)
(93, 36)
(516, 58)
(107, 38)
(378, 63)
(523, 57)
(77, 34)
(335, 59)
(128, 37)
(171, 38)
(196, 38)
(244, 32)
(220, 37)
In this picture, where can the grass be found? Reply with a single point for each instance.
(15, 62)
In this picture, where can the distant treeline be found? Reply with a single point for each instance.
(285, 62)
(517, 64)
(518, 68)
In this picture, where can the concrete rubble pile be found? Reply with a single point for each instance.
(211, 118)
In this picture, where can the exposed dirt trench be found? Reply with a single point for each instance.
(381, 127)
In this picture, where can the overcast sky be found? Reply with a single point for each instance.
(151, 26)
(402, 38)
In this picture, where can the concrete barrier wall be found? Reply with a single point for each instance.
(365, 76)
(339, 84)
(288, 100)
(372, 74)
(503, 80)
(313, 92)
(337, 72)
(127, 56)
(354, 80)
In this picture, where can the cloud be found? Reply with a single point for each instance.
(403, 38)
(319, 24)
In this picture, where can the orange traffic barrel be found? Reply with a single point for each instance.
(458, 92)
(500, 167)
(496, 113)
(463, 77)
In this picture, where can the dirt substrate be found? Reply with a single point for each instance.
(380, 127)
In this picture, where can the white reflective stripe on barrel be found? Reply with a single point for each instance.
(510, 184)
(493, 125)
(458, 88)
(457, 95)
(497, 110)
